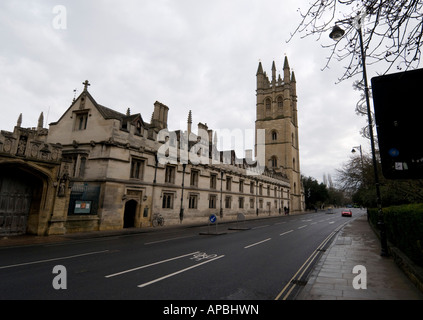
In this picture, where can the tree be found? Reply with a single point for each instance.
(392, 31)
(357, 179)
(315, 194)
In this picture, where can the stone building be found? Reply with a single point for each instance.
(29, 170)
(277, 114)
(99, 169)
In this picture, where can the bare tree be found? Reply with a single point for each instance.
(356, 178)
(392, 31)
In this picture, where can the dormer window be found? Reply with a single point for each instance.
(125, 125)
(138, 128)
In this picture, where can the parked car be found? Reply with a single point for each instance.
(346, 213)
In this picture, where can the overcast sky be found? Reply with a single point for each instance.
(197, 55)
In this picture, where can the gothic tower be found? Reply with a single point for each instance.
(277, 115)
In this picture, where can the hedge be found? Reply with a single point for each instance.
(404, 229)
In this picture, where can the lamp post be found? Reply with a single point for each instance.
(361, 156)
(336, 34)
(221, 194)
(181, 212)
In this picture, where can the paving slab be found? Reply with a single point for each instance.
(357, 246)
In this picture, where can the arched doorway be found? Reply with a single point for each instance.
(20, 199)
(129, 214)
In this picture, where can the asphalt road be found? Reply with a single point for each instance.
(270, 260)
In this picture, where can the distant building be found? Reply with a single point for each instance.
(99, 169)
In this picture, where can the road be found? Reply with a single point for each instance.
(270, 260)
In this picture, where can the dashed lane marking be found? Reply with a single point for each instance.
(254, 244)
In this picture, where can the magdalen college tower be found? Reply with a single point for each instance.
(277, 116)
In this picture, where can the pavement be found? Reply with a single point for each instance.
(333, 277)
(356, 246)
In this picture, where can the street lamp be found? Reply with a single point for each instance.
(336, 34)
(361, 156)
(181, 212)
(221, 194)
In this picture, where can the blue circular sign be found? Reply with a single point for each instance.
(213, 218)
(393, 152)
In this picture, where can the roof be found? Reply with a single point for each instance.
(106, 112)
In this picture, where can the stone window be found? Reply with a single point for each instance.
(137, 169)
(193, 200)
(213, 181)
(268, 103)
(228, 183)
(194, 178)
(280, 102)
(212, 201)
(274, 162)
(241, 185)
(241, 202)
(81, 120)
(167, 201)
(170, 174)
(138, 128)
(228, 201)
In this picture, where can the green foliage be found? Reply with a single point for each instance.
(315, 194)
(404, 228)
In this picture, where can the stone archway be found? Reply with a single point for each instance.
(21, 194)
(129, 214)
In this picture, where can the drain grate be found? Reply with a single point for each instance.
(299, 282)
(321, 250)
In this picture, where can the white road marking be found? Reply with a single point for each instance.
(149, 265)
(177, 272)
(266, 225)
(53, 259)
(254, 244)
(164, 240)
(286, 232)
(302, 227)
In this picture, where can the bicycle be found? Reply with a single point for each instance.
(158, 220)
(203, 256)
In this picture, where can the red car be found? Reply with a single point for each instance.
(346, 213)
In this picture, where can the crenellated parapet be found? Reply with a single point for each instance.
(29, 143)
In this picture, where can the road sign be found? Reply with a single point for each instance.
(397, 104)
(213, 218)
